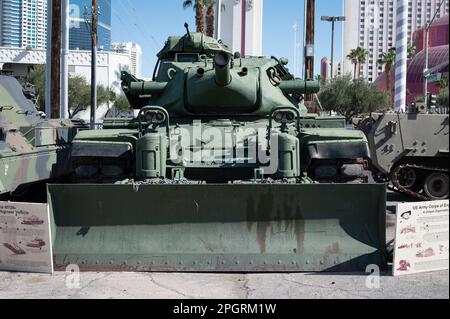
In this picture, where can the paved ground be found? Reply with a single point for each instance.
(160, 285)
(187, 286)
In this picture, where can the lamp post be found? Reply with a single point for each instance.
(332, 19)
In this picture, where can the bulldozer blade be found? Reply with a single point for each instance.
(219, 228)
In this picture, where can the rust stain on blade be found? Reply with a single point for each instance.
(251, 213)
(265, 207)
(206, 245)
(262, 235)
(333, 249)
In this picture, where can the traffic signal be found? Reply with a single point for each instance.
(432, 101)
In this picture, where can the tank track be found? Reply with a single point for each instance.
(396, 183)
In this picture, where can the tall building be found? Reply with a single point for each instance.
(23, 23)
(10, 23)
(240, 25)
(134, 51)
(80, 37)
(371, 24)
(325, 69)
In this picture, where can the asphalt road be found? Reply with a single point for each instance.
(230, 286)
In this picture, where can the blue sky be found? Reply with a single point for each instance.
(150, 22)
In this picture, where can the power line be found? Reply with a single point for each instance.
(132, 17)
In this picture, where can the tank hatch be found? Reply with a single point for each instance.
(194, 43)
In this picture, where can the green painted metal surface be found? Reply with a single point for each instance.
(32, 149)
(230, 228)
(411, 151)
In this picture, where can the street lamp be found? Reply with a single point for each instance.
(332, 19)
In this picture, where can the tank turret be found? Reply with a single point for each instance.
(209, 79)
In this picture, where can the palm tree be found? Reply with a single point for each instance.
(210, 17)
(352, 57)
(199, 7)
(388, 60)
(358, 57)
(361, 55)
(199, 15)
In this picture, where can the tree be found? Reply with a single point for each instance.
(199, 14)
(36, 77)
(200, 19)
(319, 78)
(442, 98)
(361, 55)
(352, 57)
(358, 57)
(443, 83)
(388, 60)
(80, 95)
(411, 51)
(121, 103)
(350, 98)
(121, 108)
(210, 18)
(79, 91)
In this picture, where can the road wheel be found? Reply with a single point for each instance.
(436, 186)
(408, 179)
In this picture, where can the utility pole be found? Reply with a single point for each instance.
(55, 99)
(332, 20)
(427, 42)
(309, 49)
(304, 38)
(94, 23)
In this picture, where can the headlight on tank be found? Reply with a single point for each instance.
(284, 117)
(155, 117)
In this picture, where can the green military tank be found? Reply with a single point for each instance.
(410, 151)
(221, 169)
(33, 150)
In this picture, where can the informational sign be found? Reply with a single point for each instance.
(422, 238)
(25, 241)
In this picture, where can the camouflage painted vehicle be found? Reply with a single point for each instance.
(32, 149)
(222, 169)
(410, 151)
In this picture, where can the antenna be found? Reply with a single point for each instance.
(186, 25)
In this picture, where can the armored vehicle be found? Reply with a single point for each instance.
(32, 149)
(410, 151)
(221, 169)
